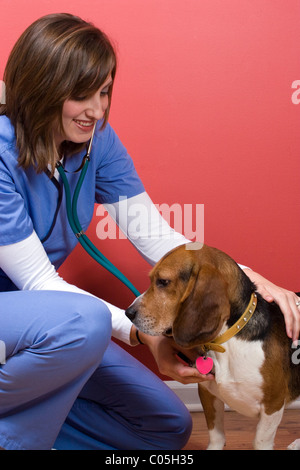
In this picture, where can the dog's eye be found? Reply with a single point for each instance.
(162, 282)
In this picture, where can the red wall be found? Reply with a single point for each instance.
(204, 103)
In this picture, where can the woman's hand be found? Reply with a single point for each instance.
(284, 298)
(165, 352)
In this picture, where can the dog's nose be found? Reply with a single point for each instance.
(131, 312)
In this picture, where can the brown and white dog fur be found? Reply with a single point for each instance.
(196, 294)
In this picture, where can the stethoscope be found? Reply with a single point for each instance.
(71, 206)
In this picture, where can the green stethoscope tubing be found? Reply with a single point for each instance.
(71, 206)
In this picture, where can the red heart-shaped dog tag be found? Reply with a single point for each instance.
(204, 364)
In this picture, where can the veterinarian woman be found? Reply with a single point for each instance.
(64, 383)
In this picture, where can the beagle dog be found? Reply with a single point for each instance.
(201, 297)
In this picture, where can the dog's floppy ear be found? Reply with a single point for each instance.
(203, 309)
(192, 276)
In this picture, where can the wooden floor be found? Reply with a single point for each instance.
(240, 431)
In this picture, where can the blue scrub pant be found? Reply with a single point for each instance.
(66, 385)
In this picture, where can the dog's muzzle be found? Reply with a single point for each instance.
(131, 312)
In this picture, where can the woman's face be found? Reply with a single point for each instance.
(80, 114)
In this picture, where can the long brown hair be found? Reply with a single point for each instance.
(58, 57)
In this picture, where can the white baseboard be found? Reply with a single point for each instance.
(189, 395)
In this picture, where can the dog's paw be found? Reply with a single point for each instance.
(294, 445)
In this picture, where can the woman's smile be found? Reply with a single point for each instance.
(86, 126)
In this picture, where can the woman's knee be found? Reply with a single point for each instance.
(92, 321)
(74, 328)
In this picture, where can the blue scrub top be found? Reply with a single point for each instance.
(29, 201)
